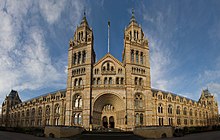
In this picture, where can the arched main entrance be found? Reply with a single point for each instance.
(108, 111)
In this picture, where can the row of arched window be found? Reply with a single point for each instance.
(139, 118)
(29, 116)
(77, 119)
(78, 71)
(139, 57)
(138, 81)
(138, 70)
(135, 35)
(178, 110)
(108, 80)
(79, 58)
(96, 71)
(78, 82)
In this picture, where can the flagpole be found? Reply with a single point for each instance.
(108, 34)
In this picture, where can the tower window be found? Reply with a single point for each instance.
(137, 57)
(141, 58)
(132, 55)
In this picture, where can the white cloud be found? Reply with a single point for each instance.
(25, 59)
(51, 9)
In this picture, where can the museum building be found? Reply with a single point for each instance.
(109, 93)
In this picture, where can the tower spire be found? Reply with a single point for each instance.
(108, 34)
(132, 16)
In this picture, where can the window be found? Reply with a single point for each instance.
(141, 58)
(84, 57)
(77, 101)
(117, 80)
(136, 81)
(137, 57)
(160, 121)
(169, 99)
(185, 121)
(160, 108)
(79, 57)
(140, 81)
(171, 121)
(185, 111)
(39, 111)
(122, 81)
(178, 110)
(138, 101)
(110, 80)
(98, 81)
(57, 109)
(47, 111)
(105, 81)
(159, 97)
(74, 59)
(178, 121)
(137, 119)
(190, 112)
(170, 109)
(77, 119)
(132, 55)
(141, 119)
(108, 66)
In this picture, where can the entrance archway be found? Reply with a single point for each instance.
(106, 110)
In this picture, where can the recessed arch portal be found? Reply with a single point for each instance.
(106, 110)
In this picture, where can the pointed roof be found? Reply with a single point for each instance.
(106, 56)
(84, 20)
(133, 17)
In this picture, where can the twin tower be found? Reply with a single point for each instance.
(108, 93)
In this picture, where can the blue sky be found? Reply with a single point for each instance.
(184, 38)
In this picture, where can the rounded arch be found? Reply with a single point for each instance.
(77, 100)
(108, 98)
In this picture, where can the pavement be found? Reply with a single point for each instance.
(214, 135)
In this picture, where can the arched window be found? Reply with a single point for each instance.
(105, 80)
(178, 110)
(132, 55)
(76, 82)
(47, 111)
(33, 112)
(141, 119)
(79, 57)
(110, 80)
(137, 57)
(160, 108)
(122, 81)
(141, 58)
(130, 35)
(137, 119)
(108, 66)
(84, 57)
(57, 109)
(196, 113)
(170, 109)
(40, 111)
(75, 118)
(117, 80)
(27, 113)
(81, 35)
(98, 81)
(80, 82)
(77, 101)
(138, 101)
(134, 35)
(140, 81)
(79, 119)
(74, 58)
(136, 81)
(190, 112)
(185, 111)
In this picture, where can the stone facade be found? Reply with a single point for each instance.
(109, 93)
